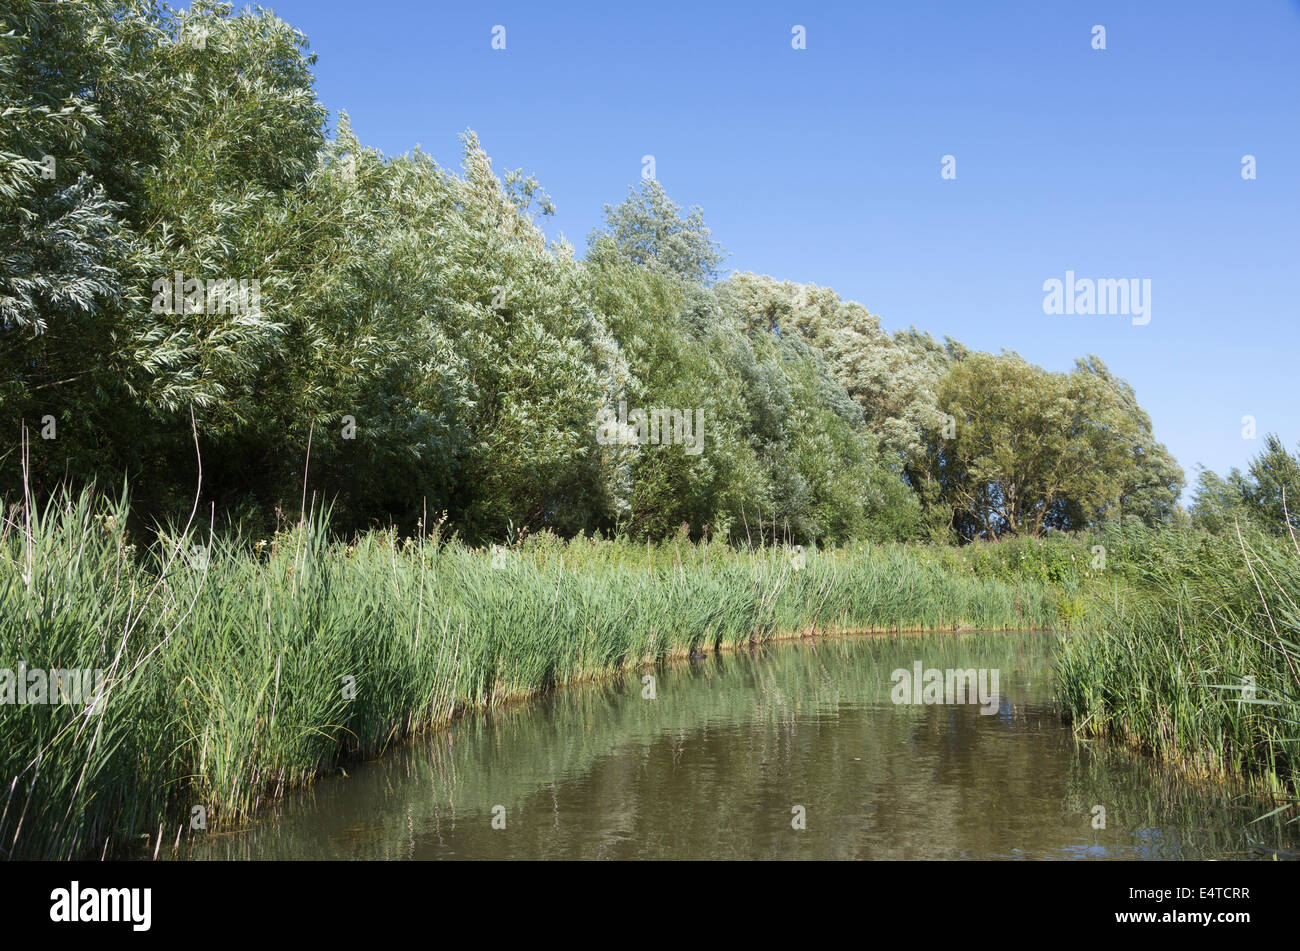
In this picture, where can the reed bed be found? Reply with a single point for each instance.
(239, 669)
(1194, 658)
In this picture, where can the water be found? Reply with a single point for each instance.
(715, 766)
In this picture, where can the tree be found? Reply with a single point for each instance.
(1266, 495)
(648, 229)
(1150, 492)
(69, 263)
(1273, 493)
(413, 326)
(1030, 447)
(1220, 503)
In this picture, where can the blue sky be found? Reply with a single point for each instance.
(822, 165)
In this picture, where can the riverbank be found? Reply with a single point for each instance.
(1193, 656)
(713, 766)
(235, 672)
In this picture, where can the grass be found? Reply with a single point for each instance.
(1193, 657)
(237, 670)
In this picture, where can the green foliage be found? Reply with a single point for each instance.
(1275, 478)
(418, 348)
(1149, 489)
(1193, 655)
(1220, 503)
(420, 354)
(238, 669)
(1266, 496)
(647, 228)
(1030, 449)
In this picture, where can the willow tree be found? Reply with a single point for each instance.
(1152, 486)
(1024, 444)
(650, 229)
(69, 263)
(1273, 489)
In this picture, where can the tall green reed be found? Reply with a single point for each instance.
(1195, 658)
(239, 669)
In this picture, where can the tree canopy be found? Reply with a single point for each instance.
(407, 344)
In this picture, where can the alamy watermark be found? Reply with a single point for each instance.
(931, 685)
(78, 903)
(656, 427)
(1104, 296)
(70, 685)
(226, 295)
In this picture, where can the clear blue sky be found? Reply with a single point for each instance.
(823, 165)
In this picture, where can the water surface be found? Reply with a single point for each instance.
(715, 765)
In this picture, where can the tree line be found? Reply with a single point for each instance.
(417, 349)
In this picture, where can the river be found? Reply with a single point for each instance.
(794, 750)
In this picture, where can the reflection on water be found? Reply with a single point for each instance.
(714, 766)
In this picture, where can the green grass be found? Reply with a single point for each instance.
(1170, 646)
(237, 677)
